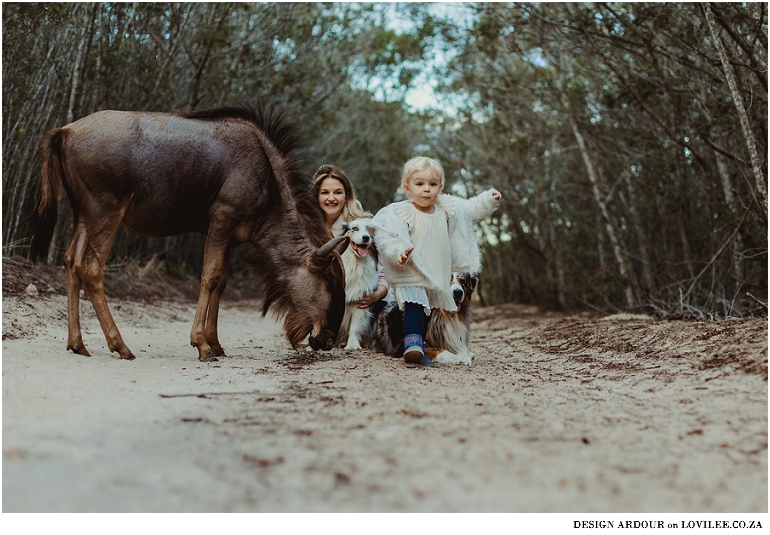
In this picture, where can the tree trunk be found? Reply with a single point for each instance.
(686, 251)
(641, 238)
(732, 204)
(593, 178)
(77, 68)
(748, 134)
(129, 20)
(195, 98)
(238, 58)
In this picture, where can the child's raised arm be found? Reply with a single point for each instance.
(482, 205)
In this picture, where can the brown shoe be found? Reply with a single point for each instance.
(413, 354)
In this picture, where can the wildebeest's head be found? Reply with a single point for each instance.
(310, 296)
(320, 299)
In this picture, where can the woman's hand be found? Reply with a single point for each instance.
(403, 258)
(496, 195)
(371, 298)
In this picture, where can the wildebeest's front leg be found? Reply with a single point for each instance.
(212, 315)
(214, 272)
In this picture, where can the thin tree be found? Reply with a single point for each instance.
(751, 144)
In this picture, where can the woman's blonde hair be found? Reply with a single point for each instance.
(420, 163)
(352, 208)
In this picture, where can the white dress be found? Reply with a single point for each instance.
(430, 236)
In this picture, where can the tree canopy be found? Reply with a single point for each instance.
(629, 140)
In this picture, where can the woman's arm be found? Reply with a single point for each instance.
(382, 287)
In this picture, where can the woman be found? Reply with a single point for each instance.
(337, 199)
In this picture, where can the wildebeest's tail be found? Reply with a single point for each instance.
(45, 217)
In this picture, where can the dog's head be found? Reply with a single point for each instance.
(462, 286)
(360, 239)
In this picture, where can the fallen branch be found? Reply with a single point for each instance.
(748, 294)
(207, 394)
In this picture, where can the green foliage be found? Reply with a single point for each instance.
(669, 219)
(642, 85)
(65, 61)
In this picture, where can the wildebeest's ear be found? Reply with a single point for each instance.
(321, 259)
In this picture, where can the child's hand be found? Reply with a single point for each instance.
(403, 258)
(496, 195)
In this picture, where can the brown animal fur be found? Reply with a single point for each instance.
(227, 173)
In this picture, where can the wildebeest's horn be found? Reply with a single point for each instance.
(331, 245)
(323, 256)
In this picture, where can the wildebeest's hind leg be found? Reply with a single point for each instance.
(214, 273)
(75, 250)
(92, 243)
(212, 315)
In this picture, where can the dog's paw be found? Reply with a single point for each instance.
(446, 357)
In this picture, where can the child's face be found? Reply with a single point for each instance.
(423, 187)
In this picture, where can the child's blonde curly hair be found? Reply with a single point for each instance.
(420, 163)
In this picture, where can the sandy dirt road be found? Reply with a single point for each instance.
(557, 414)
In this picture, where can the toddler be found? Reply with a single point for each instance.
(422, 241)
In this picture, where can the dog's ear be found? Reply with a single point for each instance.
(345, 227)
(473, 280)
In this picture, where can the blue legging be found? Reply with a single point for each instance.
(415, 324)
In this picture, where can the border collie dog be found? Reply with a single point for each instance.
(360, 279)
(448, 332)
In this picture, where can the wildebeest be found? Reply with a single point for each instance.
(226, 172)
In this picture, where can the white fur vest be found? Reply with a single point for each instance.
(390, 227)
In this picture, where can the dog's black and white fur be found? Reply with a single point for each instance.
(360, 279)
(448, 335)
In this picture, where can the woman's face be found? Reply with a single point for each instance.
(332, 198)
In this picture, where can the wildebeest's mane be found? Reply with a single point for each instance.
(272, 121)
(286, 138)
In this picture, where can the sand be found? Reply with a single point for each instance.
(557, 414)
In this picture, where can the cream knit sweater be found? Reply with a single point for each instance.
(393, 224)
(430, 236)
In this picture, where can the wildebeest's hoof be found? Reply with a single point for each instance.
(129, 357)
(80, 350)
(210, 359)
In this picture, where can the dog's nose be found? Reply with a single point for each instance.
(365, 239)
(458, 294)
